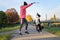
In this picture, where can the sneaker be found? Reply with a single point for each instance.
(38, 30)
(27, 32)
(20, 33)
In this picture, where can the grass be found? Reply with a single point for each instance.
(10, 27)
(54, 30)
(4, 37)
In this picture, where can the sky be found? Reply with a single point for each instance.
(44, 7)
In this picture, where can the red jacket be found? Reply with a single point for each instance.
(23, 10)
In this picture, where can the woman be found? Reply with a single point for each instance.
(23, 16)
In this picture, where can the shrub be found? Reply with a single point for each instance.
(12, 16)
(3, 19)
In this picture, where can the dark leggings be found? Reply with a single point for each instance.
(26, 23)
(38, 27)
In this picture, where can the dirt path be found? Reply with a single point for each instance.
(34, 35)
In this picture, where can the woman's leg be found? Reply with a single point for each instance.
(26, 23)
(22, 21)
(26, 26)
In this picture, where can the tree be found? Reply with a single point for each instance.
(12, 15)
(53, 18)
(3, 19)
(29, 18)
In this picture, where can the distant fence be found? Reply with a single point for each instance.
(49, 22)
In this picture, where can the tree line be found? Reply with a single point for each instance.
(10, 16)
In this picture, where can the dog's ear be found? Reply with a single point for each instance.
(38, 15)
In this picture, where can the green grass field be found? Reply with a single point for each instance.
(10, 27)
(54, 30)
